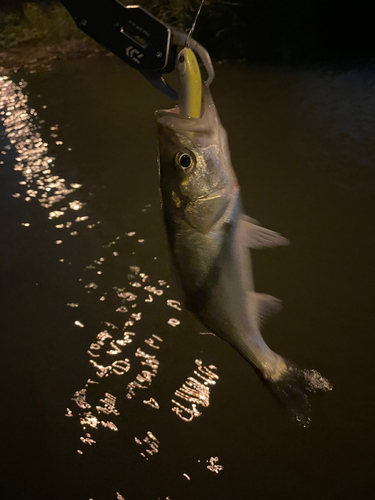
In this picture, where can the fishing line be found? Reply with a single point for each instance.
(193, 25)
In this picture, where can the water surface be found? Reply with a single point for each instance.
(93, 410)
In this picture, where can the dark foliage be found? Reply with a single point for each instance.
(284, 31)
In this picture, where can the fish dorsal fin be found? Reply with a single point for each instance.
(265, 305)
(255, 236)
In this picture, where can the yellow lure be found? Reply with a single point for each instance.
(190, 84)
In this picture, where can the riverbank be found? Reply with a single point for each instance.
(43, 57)
(38, 36)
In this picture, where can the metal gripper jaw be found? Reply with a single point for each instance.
(136, 37)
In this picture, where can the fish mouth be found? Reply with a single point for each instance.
(171, 118)
(160, 113)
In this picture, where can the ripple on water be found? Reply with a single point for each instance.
(129, 352)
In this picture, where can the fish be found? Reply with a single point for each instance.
(210, 236)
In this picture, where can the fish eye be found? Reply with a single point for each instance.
(184, 161)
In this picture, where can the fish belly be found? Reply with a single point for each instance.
(231, 312)
(216, 276)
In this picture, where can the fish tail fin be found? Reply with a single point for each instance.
(294, 388)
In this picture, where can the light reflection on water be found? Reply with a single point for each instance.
(214, 466)
(196, 390)
(151, 445)
(122, 350)
(108, 350)
(127, 351)
(33, 160)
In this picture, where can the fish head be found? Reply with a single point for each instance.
(196, 176)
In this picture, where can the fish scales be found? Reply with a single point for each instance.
(210, 237)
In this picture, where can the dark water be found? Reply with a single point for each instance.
(302, 144)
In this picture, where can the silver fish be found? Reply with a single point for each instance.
(209, 237)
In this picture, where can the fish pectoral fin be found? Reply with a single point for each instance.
(257, 237)
(265, 305)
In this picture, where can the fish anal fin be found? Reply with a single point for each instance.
(257, 237)
(265, 305)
